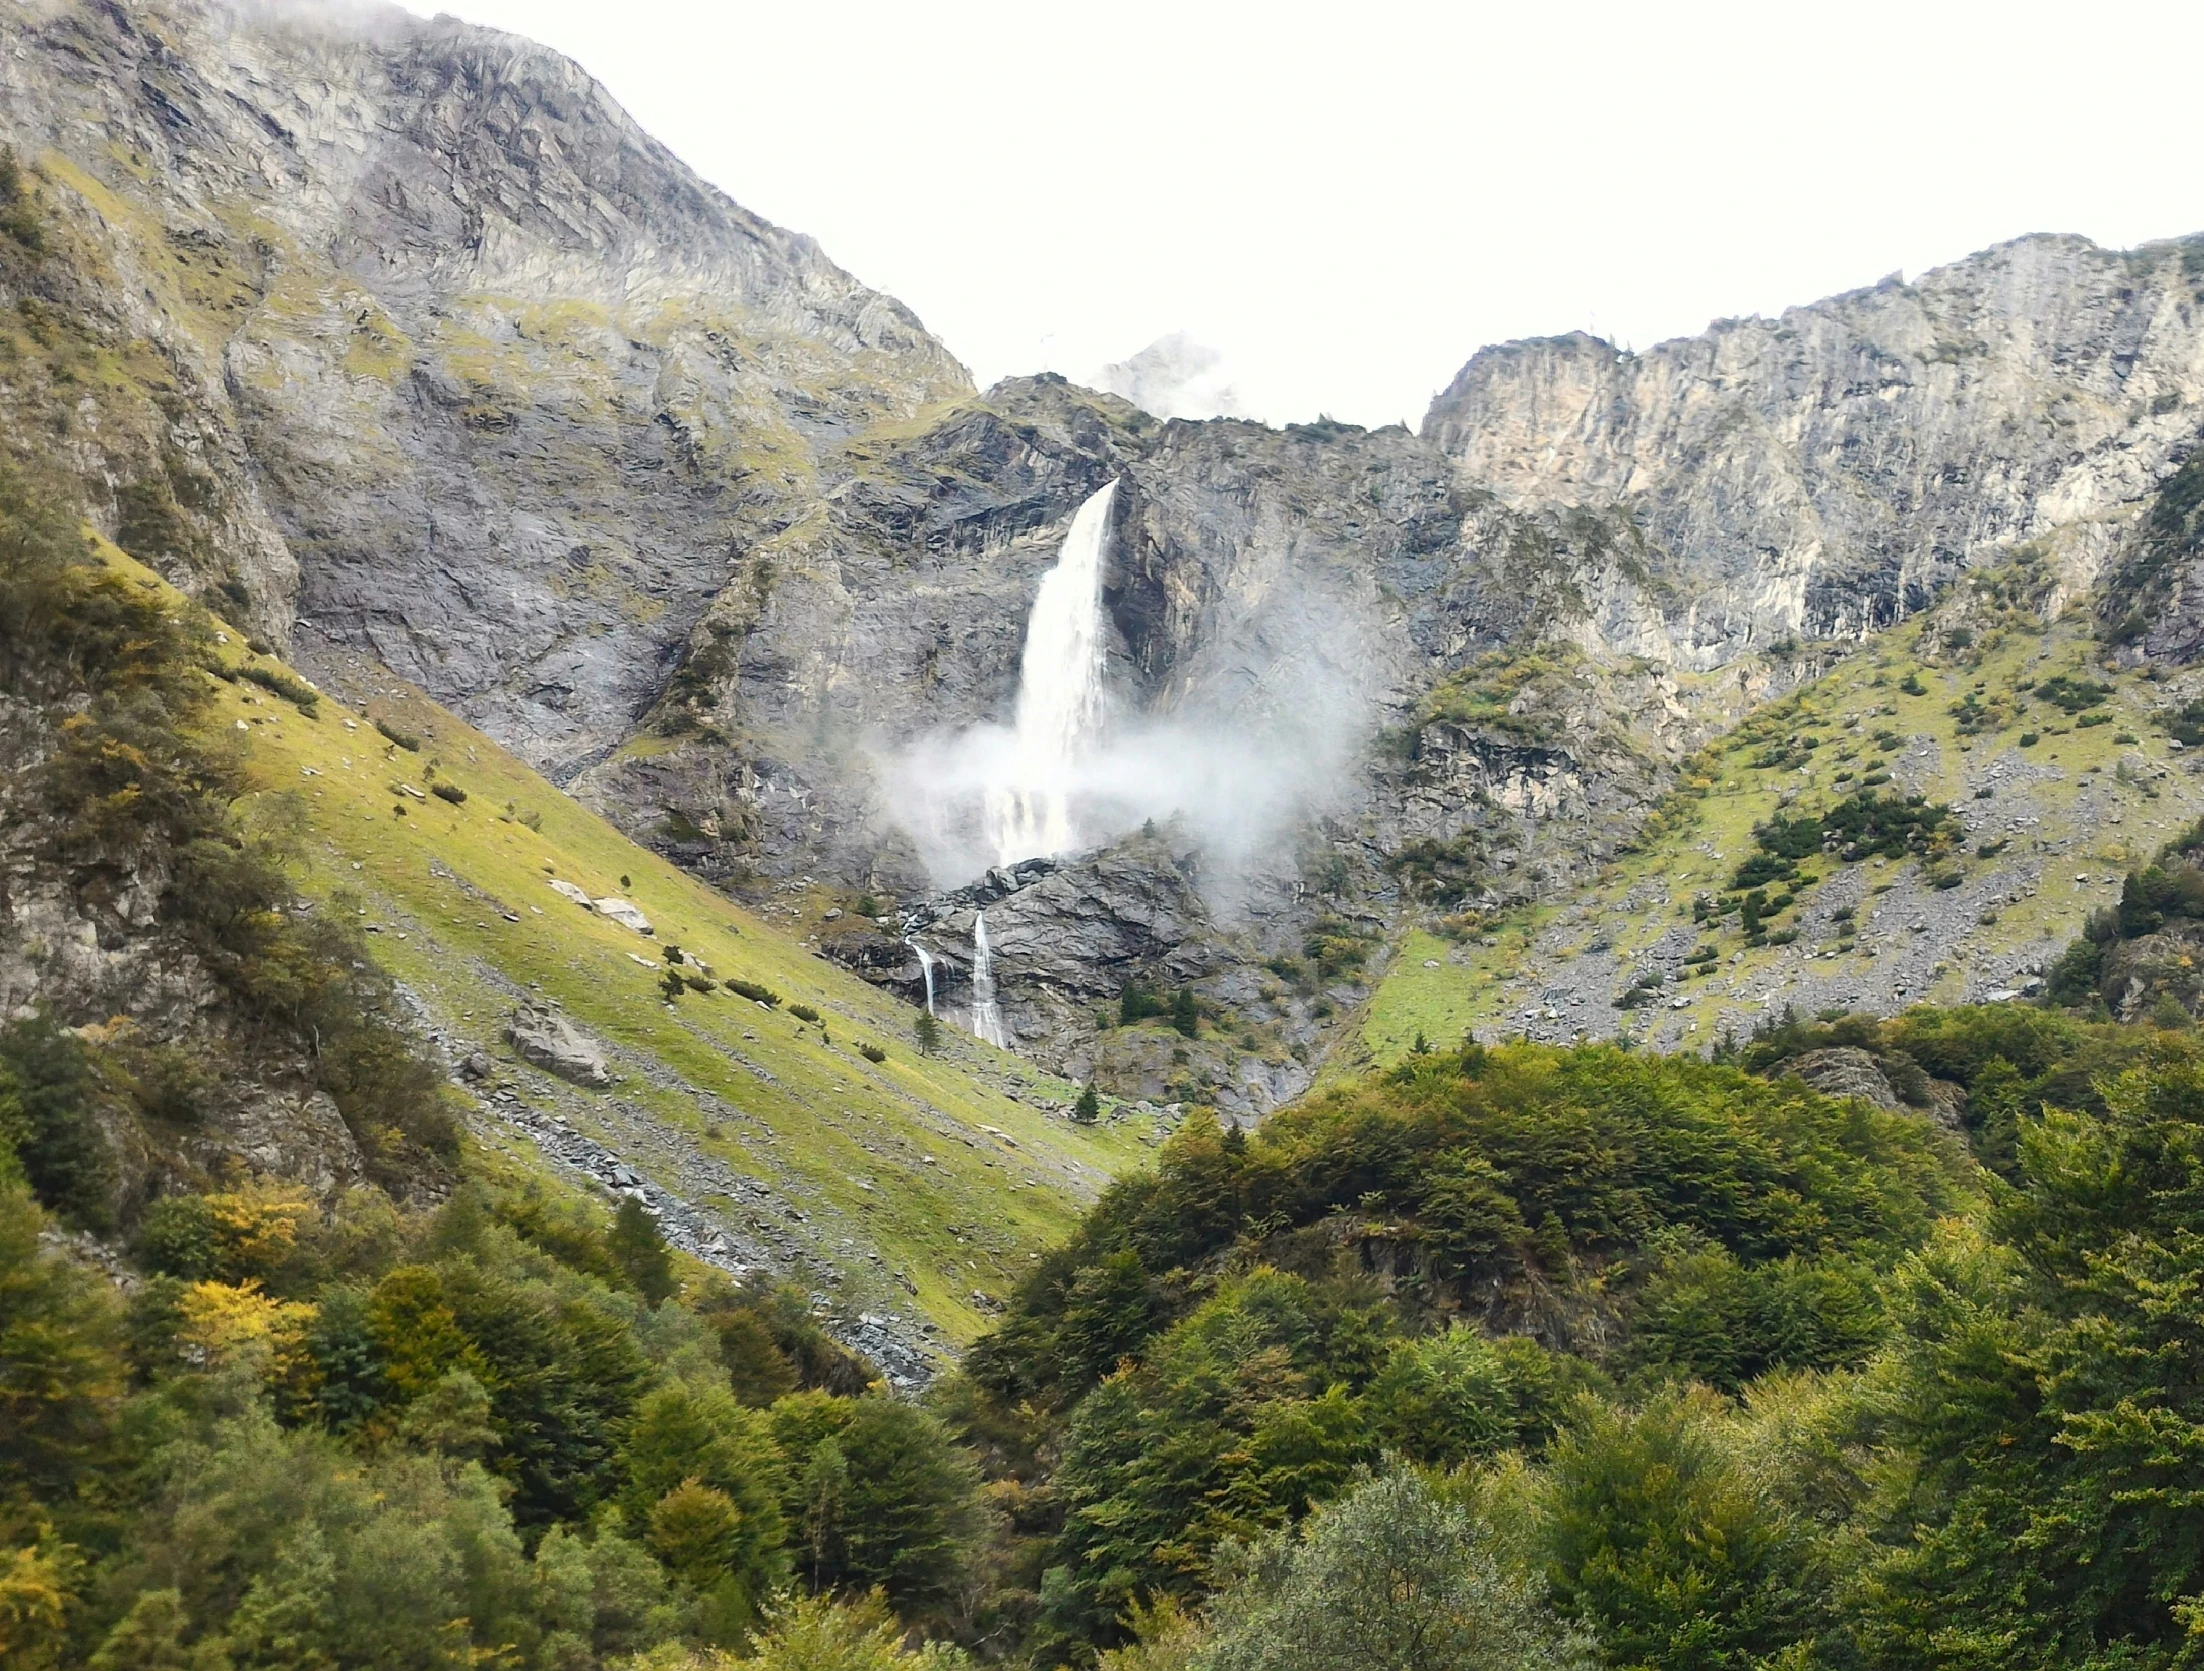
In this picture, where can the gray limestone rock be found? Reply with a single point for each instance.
(474, 374)
(461, 370)
(540, 1034)
(1828, 471)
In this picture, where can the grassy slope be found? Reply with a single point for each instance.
(2098, 807)
(955, 1207)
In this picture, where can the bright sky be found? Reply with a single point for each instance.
(1347, 199)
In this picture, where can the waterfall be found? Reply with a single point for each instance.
(1060, 696)
(926, 968)
(987, 1015)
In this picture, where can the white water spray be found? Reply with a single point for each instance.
(926, 968)
(987, 1015)
(1060, 697)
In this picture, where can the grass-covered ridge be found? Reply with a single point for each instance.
(930, 1163)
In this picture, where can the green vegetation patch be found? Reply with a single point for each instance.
(2070, 694)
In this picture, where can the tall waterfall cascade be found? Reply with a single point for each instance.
(1027, 811)
(987, 1015)
(925, 968)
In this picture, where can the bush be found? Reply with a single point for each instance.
(2070, 694)
(803, 1012)
(403, 739)
(754, 992)
(872, 1053)
(1392, 1577)
(292, 689)
(448, 792)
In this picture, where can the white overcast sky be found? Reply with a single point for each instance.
(1348, 199)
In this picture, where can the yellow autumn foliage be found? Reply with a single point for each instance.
(34, 1605)
(256, 1225)
(240, 1324)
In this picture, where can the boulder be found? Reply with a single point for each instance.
(2140, 974)
(545, 1037)
(623, 913)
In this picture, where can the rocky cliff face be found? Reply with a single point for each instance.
(1825, 472)
(480, 376)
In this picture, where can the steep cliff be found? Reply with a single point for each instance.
(1831, 470)
(434, 352)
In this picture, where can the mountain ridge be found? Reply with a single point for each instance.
(728, 566)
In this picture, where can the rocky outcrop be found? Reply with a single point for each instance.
(1843, 1071)
(2152, 607)
(540, 1034)
(194, 1087)
(2152, 969)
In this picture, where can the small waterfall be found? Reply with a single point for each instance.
(987, 1015)
(1060, 696)
(926, 968)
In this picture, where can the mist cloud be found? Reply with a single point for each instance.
(1237, 792)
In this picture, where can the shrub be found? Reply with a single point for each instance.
(872, 1053)
(1393, 1577)
(293, 690)
(2184, 724)
(1137, 1001)
(2070, 694)
(448, 792)
(755, 993)
(404, 739)
(803, 1012)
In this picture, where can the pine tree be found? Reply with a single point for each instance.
(640, 1251)
(1184, 1016)
(1088, 1108)
(928, 1032)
